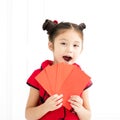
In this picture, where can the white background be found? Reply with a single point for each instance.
(23, 46)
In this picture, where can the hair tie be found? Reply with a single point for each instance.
(55, 21)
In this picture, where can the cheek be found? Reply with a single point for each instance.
(58, 48)
(77, 53)
(58, 52)
(78, 50)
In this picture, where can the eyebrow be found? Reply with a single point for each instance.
(63, 39)
(75, 42)
(68, 40)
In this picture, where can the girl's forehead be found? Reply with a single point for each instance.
(62, 31)
(70, 34)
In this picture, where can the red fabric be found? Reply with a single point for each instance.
(59, 114)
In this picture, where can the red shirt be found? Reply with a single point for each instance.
(59, 114)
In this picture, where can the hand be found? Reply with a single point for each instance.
(76, 102)
(54, 102)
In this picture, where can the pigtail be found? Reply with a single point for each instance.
(82, 26)
(48, 25)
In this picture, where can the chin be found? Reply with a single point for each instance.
(69, 62)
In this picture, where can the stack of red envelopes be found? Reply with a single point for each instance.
(63, 79)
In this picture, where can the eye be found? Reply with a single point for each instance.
(75, 45)
(63, 43)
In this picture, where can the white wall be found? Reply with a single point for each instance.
(23, 46)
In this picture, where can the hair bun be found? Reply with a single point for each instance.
(82, 26)
(48, 25)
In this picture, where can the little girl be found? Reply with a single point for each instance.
(66, 43)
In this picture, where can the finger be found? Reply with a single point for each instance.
(59, 101)
(57, 97)
(59, 105)
(76, 98)
(74, 107)
(54, 96)
(75, 104)
(61, 95)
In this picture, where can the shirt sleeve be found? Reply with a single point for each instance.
(31, 81)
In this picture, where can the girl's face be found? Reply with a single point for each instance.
(66, 47)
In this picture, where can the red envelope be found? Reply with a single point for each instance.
(63, 79)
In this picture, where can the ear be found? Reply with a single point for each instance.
(50, 45)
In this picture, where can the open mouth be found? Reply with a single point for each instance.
(67, 58)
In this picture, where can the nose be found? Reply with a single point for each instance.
(69, 49)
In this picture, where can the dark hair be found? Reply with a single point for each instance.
(53, 28)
